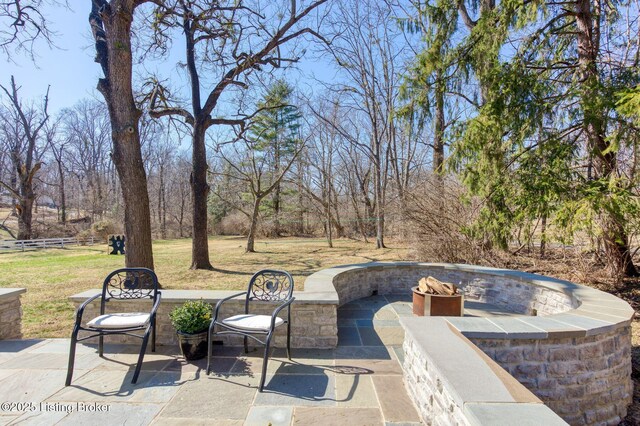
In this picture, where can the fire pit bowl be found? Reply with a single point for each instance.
(437, 305)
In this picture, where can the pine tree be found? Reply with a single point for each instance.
(274, 133)
(547, 141)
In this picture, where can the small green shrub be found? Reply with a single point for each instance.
(192, 317)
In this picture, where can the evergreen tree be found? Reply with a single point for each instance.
(547, 141)
(274, 133)
(433, 75)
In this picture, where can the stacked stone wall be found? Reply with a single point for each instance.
(515, 295)
(583, 379)
(10, 314)
(313, 325)
(425, 385)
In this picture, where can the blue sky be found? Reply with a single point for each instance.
(70, 69)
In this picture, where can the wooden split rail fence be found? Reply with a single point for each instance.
(44, 243)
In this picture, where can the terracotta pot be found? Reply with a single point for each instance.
(193, 346)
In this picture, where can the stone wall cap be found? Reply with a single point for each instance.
(554, 329)
(515, 329)
(6, 293)
(171, 295)
(477, 327)
(592, 326)
(510, 414)
(317, 297)
(618, 319)
(613, 309)
(212, 296)
(456, 359)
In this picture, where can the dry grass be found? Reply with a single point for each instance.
(51, 276)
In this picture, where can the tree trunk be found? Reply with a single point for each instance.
(111, 25)
(276, 190)
(333, 197)
(379, 227)
(369, 209)
(100, 196)
(200, 191)
(300, 209)
(25, 215)
(614, 235)
(379, 201)
(159, 205)
(328, 226)
(543, 235)
(137, 216)
(438, 139)
(359, 222)
(26, 173)
(162, 204)
(163, 223)
(183, 197)
(92, 191)
(63, 199)
(14, 181)
(254, 226)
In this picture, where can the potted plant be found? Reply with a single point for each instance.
(191, 321)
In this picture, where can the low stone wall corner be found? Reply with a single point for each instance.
(10, 313)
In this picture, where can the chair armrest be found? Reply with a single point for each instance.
(221, 301)
(80, 310)
(277, 310)
(156, 304)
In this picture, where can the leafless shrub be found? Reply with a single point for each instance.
(234, 224)
(437, 216)
(104, 228)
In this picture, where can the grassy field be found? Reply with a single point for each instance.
(51, 276)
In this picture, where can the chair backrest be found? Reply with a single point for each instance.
(130, 283)
(270, 285)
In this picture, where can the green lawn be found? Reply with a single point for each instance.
(51, 276)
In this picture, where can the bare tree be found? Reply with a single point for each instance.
(86, 126)
(178, 184)
(322, 153)
(23, 22)
(367, 54)
(251, 167)
(161, 159)
(57, 147)
(236, 39)
(26, 161)
(111, 27)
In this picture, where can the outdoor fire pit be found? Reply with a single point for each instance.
(437, 299)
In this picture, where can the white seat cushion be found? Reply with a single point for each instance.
(121, 320)
(252, 322)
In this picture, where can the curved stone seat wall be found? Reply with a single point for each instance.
(574, 355)
(518, 292)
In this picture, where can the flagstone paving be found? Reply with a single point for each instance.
(358, 383)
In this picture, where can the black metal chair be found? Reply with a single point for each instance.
(121, 284)
(267, 285)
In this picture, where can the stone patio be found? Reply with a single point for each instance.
(360, 382)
